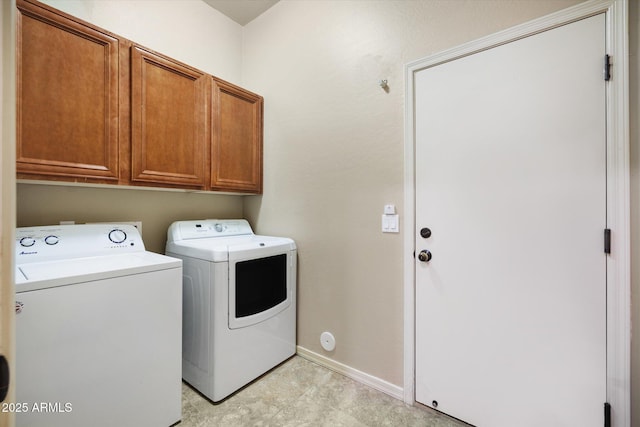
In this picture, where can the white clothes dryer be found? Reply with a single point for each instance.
(239, 303)
(98, 328)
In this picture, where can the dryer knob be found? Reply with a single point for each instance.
(219, 227)
(117, 236)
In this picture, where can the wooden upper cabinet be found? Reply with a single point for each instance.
(169, 121)
(236, 150)
(95, 107)
(67, 112)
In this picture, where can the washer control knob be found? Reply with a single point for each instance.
(27, 241)
(51, 240)
(219, 227)
(117, 236)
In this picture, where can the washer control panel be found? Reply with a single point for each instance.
(53, 242)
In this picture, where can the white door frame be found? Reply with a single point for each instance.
(618, 191)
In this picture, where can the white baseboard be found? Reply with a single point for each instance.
(366, 379)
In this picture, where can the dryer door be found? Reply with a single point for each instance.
(260, 283)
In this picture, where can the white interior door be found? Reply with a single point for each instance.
(511, 181)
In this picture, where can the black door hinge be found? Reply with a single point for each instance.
(607, 68)
(607, 241)
(607, 414)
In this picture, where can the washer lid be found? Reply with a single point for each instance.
(218, 249)
(48, 274)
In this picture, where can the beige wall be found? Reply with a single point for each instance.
(187, 30)
(48, 204)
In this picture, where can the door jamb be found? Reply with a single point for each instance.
(618, 191)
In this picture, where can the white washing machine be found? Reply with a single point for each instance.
(98, 329)
(239, 303)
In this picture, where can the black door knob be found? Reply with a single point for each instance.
(425, 255)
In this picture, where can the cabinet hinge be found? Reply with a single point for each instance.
(607, 68)
(607, 241)
(607, 414)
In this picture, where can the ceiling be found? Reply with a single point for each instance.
(241, 11)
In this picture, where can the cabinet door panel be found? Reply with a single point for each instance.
(169, 121)
(236, 154)
(67, 79)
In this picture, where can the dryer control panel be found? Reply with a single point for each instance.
(207, 228)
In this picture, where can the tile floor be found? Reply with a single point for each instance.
(302, 393)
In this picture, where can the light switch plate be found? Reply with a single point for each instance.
(390, 223)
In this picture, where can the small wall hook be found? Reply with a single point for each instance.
(383, 84)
